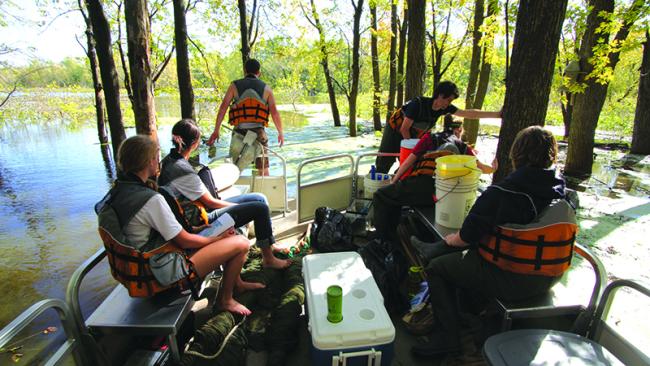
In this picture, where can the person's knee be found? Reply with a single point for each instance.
(242, 244)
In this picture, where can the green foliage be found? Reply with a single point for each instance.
(289, 51)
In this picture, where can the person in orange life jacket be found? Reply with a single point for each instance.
(530, 188)
(243, 121)
(419, 188)
(138, 161)
(177, 173)
(418, 116)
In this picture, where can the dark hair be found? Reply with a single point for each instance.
(534, 147)
(185, 133)
(446, 89)
(135, 153)
(252, 66)
(451, 122)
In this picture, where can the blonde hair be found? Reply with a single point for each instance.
(135, 153)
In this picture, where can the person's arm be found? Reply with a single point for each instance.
(405, 129)
(187, 240)
(403, 167)
(213, 203)
(488, 169)
(276, 117)
(225, 103)
(476, 114)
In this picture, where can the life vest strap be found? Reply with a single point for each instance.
(558, 243)
(498, 255)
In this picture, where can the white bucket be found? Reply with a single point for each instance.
(455, 192)
(370, 186)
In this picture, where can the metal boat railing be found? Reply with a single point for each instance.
(71, 344)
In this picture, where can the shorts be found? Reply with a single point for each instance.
(261, 162)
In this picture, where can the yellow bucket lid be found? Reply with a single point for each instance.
(456, 162)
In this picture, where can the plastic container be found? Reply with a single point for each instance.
(405, 148)
(370, 186)
(456, 186)
(366, 331)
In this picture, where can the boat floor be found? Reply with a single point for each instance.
(288, 231)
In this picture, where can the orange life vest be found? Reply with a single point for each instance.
(426, 165)
(544, 247)
(249, 110)
(249, 105)
(130, 263)
(395, 122)
(131, 267)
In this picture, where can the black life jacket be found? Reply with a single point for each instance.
(172, 167)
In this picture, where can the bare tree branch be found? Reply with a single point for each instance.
(6, 99)
(80, 44)
(205, 60)
(163, 65)
(54, 19)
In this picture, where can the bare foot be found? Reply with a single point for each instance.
(276, 263)
(243, 286)
(234, 307)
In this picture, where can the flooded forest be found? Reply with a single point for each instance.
(338, 70)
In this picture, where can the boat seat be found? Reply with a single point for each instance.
(602, 345)
(571, 298)
(161, 315)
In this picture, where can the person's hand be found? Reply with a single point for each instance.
(214, 137)
(198, 229)
(495, 164)
(280, 139)
(500, 113)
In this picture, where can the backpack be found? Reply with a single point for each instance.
(206, 177)
(389, 269)
(331, 231)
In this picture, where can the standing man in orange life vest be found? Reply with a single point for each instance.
(250, 101)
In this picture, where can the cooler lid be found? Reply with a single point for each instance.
(365, 320)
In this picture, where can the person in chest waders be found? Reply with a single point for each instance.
(417, 116)
(250, 101)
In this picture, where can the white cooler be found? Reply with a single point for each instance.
(365, 335)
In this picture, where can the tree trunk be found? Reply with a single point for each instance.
(183, 61)
(537, 35)
(356, 69)
(400, 56)
(138, 32)
(376, 97)
(392, 61)
(486, 61)
(641, 135)
(471, 125)
(243, 29)
(107, 71)
(475, 61)
(91, 52)
(325, 63)
(567, 112)
(415, 64)
(588, 105)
